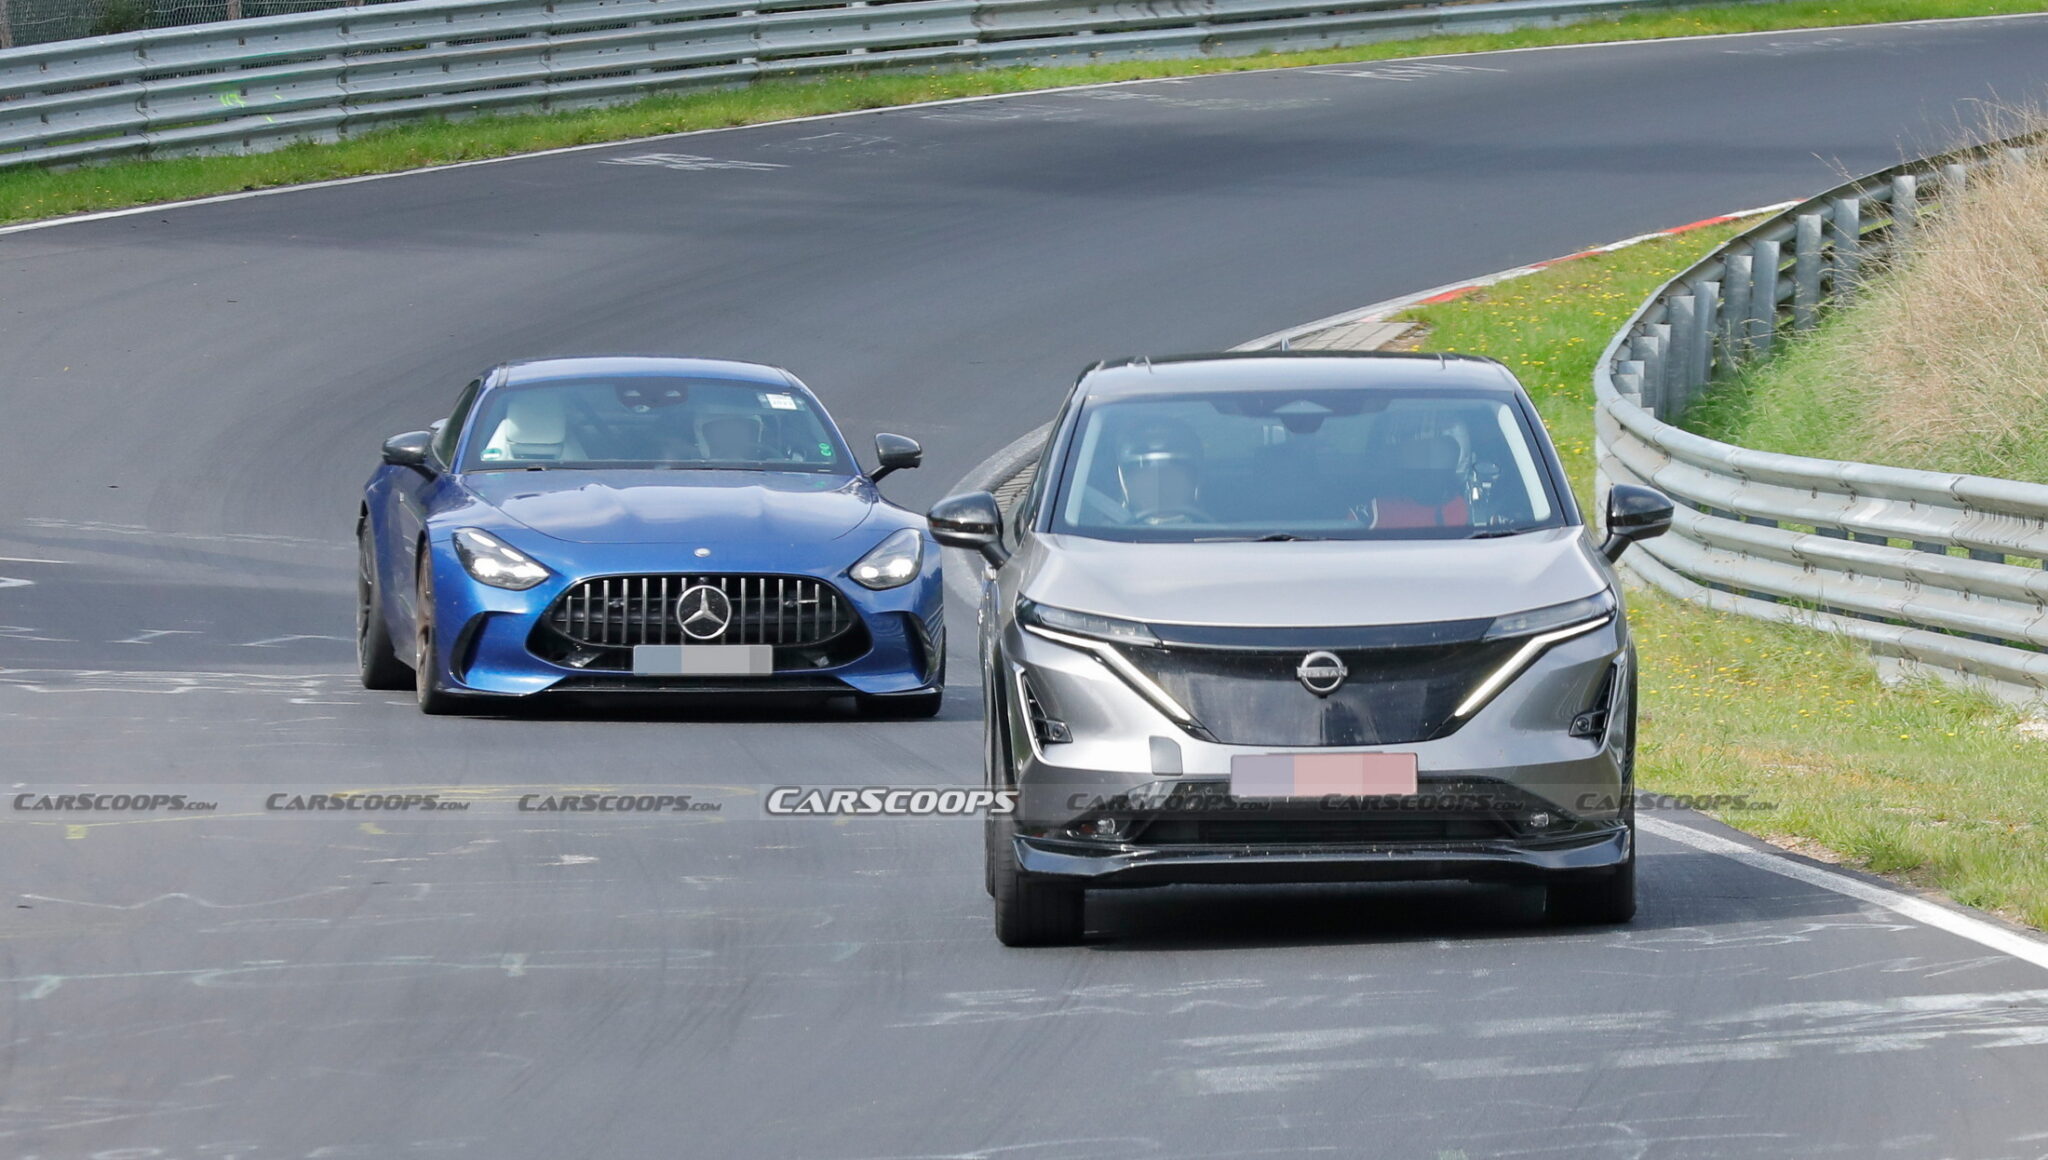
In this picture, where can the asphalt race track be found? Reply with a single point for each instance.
(191, 398)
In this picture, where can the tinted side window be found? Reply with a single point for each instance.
(1027, 511)
(451, 432)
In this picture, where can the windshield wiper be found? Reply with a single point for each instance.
(1268, 538)
(1496, 533)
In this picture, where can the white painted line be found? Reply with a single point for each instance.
(29, 560)
(1955, 922)
(103, 215)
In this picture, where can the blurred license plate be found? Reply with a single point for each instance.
(1315, 775)
(703, 660)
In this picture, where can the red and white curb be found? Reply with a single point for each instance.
(1381, 311)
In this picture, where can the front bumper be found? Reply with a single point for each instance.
(486, 633)
(1095, 865)
(1510, 793)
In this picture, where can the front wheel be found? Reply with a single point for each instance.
(376, 657)
(434, 700)
(1031, 912)
(1605, 901)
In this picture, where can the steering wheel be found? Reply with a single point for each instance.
(1162, 515)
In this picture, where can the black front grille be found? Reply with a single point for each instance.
(1392, 696)
(1326, 832)
(623, 611)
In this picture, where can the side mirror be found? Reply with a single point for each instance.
(409, 449)
(894, 453)
(1634, 513)
(971, 521)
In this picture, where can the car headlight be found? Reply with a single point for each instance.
(494, 562)
(1538, 629)
(1595, 607)
(1099, 636)
(895, 561)
(1032, 614)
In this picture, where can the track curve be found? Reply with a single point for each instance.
(194, 394)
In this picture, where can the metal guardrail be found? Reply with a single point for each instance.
(257, 84)
(1941, 570)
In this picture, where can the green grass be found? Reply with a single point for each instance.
(1924, 782)
(37, 193)
(1810, 398)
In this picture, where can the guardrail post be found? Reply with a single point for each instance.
(1705, 316)
(1649, 351)
(1848, 255)
(1954, 179)
(1680, 361)
(1628, 379)
(1806, 272)
(1763, 296)
(1739, 283)
(1905, 211)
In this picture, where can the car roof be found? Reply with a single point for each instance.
(1280, 370)
(632, 366)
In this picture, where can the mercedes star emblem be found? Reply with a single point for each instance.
(1321, 673)
(704, 612)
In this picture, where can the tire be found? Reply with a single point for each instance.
(1605, 901)
(1032, 912)
(1611, 899)
(376, 659)
(434, 700)
(991, 833)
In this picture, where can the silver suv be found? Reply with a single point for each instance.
(1303, 618)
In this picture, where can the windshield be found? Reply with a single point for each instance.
(1351, 464)
(652, 422)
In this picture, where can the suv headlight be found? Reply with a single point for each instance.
(894, 562)
(494, 562)
(1032, 614)
(1595, 607)
(1099, 636)
(1542, 627)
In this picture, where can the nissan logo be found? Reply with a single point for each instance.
(1321, 673)
(704, 612)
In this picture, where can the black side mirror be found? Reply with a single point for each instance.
(894, 453)
(409, 450)
(971, 521)
(1634, 513)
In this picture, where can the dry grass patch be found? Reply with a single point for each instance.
(1941, 364)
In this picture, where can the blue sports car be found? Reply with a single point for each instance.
(644, 525)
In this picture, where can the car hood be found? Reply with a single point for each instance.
(678, 507)
(1315, 583)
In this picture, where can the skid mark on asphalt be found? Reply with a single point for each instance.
(691, 162)
(1816, 1029)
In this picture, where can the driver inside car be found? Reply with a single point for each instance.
(1159, 471)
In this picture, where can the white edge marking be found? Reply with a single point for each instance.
(243, 195)
(1955, 922)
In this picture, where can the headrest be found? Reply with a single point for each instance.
(534, 417)
(1430, 453)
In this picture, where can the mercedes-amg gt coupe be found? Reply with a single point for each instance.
(1303, 617)
(644, 525)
